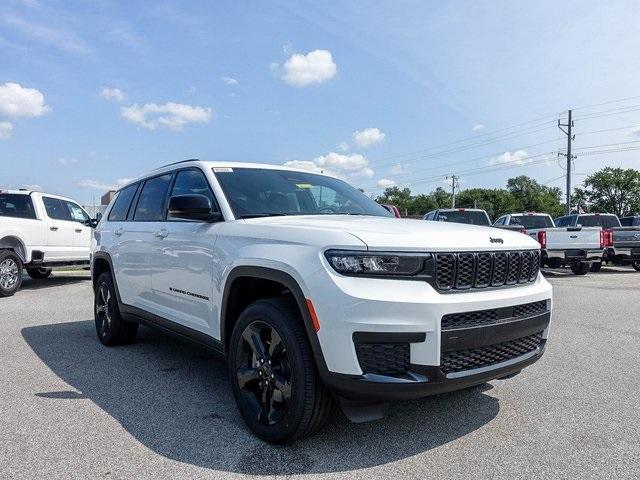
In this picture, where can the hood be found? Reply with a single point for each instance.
(398, 234)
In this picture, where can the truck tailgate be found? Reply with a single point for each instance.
(570, 238)
(626, 237)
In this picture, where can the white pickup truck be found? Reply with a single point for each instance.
(39, 231)
(581, 248)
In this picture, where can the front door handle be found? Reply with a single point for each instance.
(53, 229)
(78, 230)
(119, 231)
(162, 233)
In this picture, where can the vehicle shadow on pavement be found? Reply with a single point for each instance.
(175, 399)
(56, 281)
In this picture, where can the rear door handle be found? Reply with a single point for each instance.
(119, 231)
(53, 229)
(162, 233)
(79, 230)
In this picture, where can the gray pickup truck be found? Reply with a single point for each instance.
(626, 239)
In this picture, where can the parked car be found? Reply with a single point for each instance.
(580, 248)
(631, 221)
(392, 209)
(623, 242)
(313, 292)
(37, 232)
(468, 216)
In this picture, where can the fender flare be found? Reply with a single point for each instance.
(18, 245)
(290, 283)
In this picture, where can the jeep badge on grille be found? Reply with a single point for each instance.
(495, 240)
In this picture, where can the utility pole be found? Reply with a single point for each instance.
(454, 184)
(570, 138)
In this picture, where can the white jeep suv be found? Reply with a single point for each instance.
(314, 293)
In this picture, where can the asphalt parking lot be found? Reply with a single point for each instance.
(71, 408)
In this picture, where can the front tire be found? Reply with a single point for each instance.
(111, 328)
(273, 373)
(581, 268)
(10, 273)
(39, 273)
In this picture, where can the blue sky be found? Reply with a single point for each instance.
(92, 93)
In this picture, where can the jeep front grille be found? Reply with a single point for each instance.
(465, 271)
(459, 361)
(483, 318)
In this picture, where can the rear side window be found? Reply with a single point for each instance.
(122, 203)
(604, 221)
(17, 206)
(56, 209)
(151, 205)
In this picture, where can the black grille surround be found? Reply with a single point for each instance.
(493, 316)
(468, 360)
(474, 270)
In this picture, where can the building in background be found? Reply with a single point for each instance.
(95, 210)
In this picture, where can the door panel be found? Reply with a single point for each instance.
(59, 230)
(82, 231)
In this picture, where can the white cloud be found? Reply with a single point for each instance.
(513, 158)
(230, 80)
(59, 38)
(477, 128)
(635, 131)
(18, 101)
(314, 67)
(171, 115)
(101, 185)
(400, 168)
(336, 165)
(6, 129)
(114, 94)
(368, 137)
(385, 183)
(343, 146)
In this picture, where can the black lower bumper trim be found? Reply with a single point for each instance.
(421, 381)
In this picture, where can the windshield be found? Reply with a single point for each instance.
(464, 216)
(16, 205)
(257, 192)
(604, 221)
(532, 221)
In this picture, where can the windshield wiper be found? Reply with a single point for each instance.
(260, 215)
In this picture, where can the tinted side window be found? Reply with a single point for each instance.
(122, 203)
(626, 222)
(56, 209)
(151, 204)
(193, 182)
(16, 205)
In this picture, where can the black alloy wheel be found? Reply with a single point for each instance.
(264, 372)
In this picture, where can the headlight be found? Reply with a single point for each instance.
(365, 263)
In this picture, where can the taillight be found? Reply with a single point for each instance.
(542, 238)
(606, 238)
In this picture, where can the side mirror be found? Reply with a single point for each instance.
(193, 207)
(93, 223)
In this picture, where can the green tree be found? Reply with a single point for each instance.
(530, 196)
(400, 197)
(496, 201)
(612, 190)
(441, 198)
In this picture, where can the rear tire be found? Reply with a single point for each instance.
(111, 328)
(273, 374)
(595, 267)
(581, 268)
(636, 266)
(38, 273)
(10, 273)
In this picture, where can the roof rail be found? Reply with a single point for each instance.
(177, 163)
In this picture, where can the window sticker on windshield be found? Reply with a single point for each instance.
(304, 185)
(222, 170)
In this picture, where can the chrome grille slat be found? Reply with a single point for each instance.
(471, 270)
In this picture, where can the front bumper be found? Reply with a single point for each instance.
(404, 307)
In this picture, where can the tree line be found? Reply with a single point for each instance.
(609, 190)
